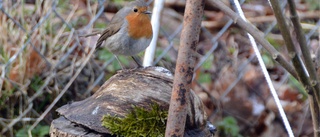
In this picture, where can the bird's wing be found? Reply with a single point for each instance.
(112, 29)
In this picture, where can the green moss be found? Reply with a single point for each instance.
(139, 122)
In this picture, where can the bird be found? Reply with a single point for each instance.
(129, 31)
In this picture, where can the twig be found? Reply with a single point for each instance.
(184, 68)
(305, 50)
(257, 35)
(310, 67)
(299, 67)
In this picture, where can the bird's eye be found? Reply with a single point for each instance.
(135, 10)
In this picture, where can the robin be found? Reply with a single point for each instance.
(129, 31)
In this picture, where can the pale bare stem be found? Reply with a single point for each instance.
(155, 21)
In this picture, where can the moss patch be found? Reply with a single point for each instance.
(139, 122)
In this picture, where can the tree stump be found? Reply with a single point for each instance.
(138, 87)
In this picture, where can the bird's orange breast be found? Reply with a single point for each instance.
(139, 25)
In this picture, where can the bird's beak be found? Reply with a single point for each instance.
(147, 12)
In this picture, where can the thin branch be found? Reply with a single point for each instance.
(184, 68)
(304, 49)
(298, 65)
(314, 100)
(256, 34)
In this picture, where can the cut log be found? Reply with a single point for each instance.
(139, 87)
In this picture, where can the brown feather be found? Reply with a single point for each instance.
(112, 29)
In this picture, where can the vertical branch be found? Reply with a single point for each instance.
(304, 49)
(184, 68)
(314, 99)
(304, 79)
(298, 65)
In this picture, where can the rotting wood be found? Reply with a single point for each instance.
(137, 87)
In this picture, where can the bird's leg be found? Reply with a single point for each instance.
(138, 61)
(119, 62)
